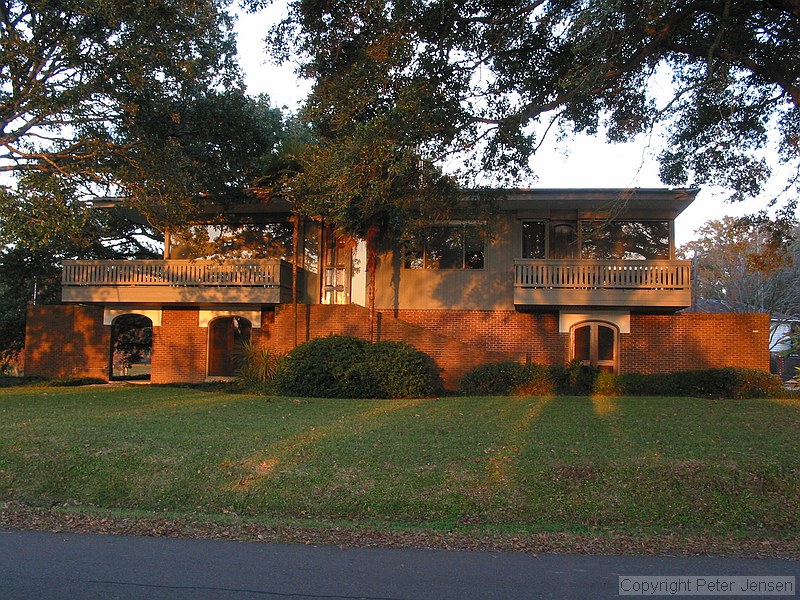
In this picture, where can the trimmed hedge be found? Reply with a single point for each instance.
(509, 378)
(727, 382)
(517, 379)
(347, 367)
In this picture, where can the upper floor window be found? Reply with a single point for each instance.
(625, 239)
(445, 247)
(246, 241)
(533, 239)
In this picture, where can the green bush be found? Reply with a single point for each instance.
(393, 370)
(317, 368)
(508, 378)
(74, 381)
(495, 379)
(573, 379)
(607, 384)
(727, 382)
(256, 368)
(346, 367)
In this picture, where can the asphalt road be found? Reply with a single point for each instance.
(50, 566)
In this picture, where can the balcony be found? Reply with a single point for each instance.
(265, 281)
(629, 284)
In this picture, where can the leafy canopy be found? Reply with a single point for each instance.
(486, 81)
(109, 98)
(748, 265)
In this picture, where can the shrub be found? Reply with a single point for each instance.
(392, 370)
(495, 379)
(573, 379)
(727, 382)
(607, 384)
(74, 381)
(256, 367)
(317, 368)
(346, 367)
(508, 378)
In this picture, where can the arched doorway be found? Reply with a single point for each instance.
(595, 344)
(226, 337)
(131, 347)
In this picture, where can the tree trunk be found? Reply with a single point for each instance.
(372, 263)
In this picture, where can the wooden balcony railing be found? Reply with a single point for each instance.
(174, 280)
(657, 283)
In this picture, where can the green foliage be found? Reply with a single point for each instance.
(575, 379)
(119, 56)
(74, 381)
(399, 371)
(727, 382)
(507, 378)
(141, 101)
(347, 367)
(488, 80)
(607, 384)
(317, 367)
(256, 367)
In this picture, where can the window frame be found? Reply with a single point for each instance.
(418, 249)
(583, 224)
(594, 338)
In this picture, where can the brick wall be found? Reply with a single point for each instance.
(72, 340)
(179, 348)
(67, 341)
(453, 357)
(529, 334)
(667, 343)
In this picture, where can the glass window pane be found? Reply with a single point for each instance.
(473, 248)
(605, 343)
(533, 240)
(625, 239)
(564, 241)
(582, 339)
(413, 253)
(444, 248)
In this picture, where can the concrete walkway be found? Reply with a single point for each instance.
(49, 566)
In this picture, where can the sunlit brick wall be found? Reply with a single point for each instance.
(533, 335)
(686, 341)
(67, 341)
(179, 348)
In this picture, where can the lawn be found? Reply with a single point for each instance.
(474, 466)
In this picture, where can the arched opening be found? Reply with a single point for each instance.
(131, 347)
(226, 337)
(595, 344)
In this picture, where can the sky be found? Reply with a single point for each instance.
(587, 162)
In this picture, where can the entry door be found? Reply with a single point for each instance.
(226, 337)
(338, 262)
(595, 344)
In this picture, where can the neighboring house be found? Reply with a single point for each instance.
(783, 344)
(586, 274)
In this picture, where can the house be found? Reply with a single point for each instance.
(783, 344)
(564, 274)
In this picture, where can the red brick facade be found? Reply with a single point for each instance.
(668, 343)
(72, 340)
(67, 341)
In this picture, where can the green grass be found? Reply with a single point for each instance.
(501, 465)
